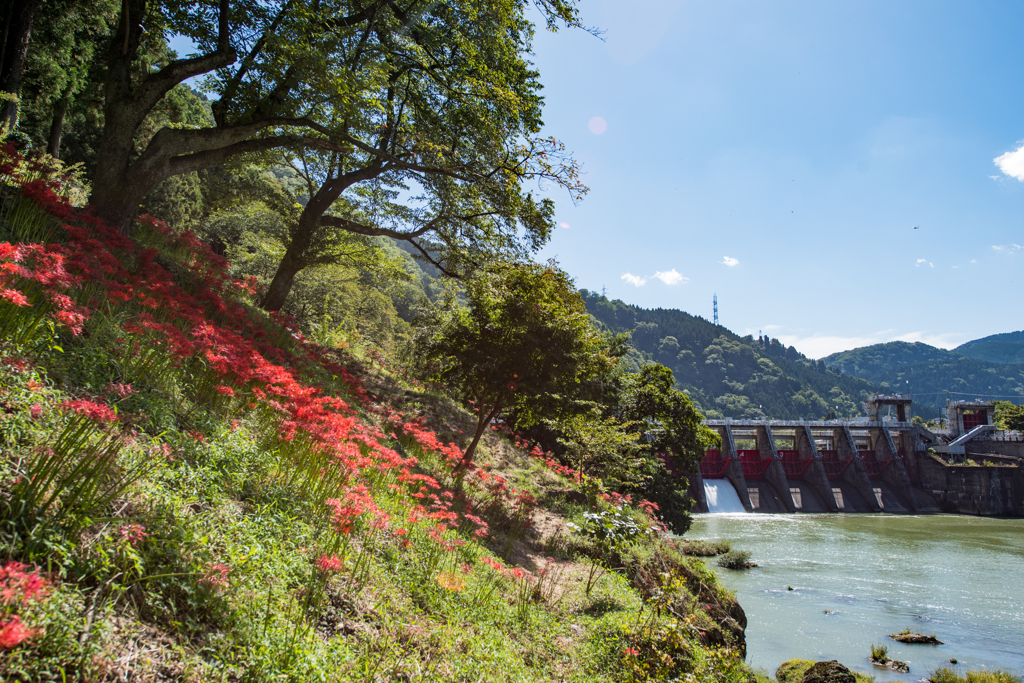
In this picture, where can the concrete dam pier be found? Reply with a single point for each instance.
(879, 464)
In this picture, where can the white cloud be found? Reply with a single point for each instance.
(1012, 163)
(1007, 248)
(634, 280)
(671, 277)
(931, 265)
(974, 260)
(730, 261)
(920, 261)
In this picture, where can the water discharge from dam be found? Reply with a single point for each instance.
(721, 496)
(856, 579)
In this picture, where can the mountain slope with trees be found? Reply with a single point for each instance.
(996, 348)
(928, 373)
(729, 375)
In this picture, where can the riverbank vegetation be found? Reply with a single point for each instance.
(194, 490)
(948, 675)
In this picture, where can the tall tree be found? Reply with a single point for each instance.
(522, 334)
(18, 20)
(299, 73)
(673, 429)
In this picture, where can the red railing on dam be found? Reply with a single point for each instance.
(752, 465)
(834, 467)
(713, 465)
(873, 466)
(792, 464)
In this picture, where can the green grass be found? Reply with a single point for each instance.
(947, 675)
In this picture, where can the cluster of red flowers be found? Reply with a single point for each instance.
(198, 313)
(133, 533)
(345, 512)
(216, 575)
(19, 586)
(97, 412)
(330, 564)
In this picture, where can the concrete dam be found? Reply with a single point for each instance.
(883, 463)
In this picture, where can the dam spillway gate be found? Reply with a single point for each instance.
(801, 466)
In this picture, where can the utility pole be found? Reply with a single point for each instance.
(716, 308)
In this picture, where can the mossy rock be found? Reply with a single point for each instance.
(806, 671)
(792, 671)
(918, 638)
(828, 672)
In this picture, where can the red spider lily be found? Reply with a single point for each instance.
(97, 412)
(216, 575)
(13, 633)
(330, 564)
(15, 297)
(133, 533)
(19, 586)
(120, 390)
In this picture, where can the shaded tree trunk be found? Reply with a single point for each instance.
(60, 110)
(481, 426)
(17, 36)
(297, 254)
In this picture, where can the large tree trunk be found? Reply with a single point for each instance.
(284, 278)
(16, 38)
(481, 426)
(297, 254)
(60, 110)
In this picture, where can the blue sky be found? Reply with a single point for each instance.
(780, 154)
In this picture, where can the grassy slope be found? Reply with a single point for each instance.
(278, 511)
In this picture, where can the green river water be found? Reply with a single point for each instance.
(858, 578)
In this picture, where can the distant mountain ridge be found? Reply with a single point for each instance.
(989, 367)
(728, 375)
(997, 348)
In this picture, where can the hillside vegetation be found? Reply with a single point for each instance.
(193, 490)
(928, 373)
(997, 348)
(732, 376)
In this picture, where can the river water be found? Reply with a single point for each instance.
(858, 578)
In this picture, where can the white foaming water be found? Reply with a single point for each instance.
(721, 496)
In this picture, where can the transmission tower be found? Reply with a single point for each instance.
(716, 308)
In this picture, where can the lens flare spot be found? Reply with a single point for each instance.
(597, 125)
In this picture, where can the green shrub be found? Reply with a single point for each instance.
(735, 559)
(705, 548)
(947, 675)
(879, 654)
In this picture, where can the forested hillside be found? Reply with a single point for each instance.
(996, 348)
(732, 376)
(929, 373)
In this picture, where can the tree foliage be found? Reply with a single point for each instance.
(523, 334)
(1009, 416)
